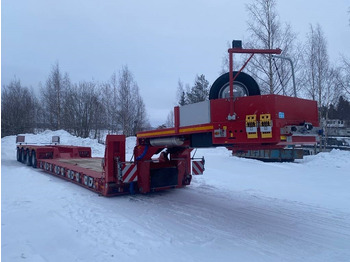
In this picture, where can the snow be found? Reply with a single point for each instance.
(239, 210)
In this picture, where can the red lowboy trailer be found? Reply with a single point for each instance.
(236, 116)
(111, 175)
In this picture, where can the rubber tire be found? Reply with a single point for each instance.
(23, 156)
(28, 159)
(19, 154)
(223, 80)
(33, 160)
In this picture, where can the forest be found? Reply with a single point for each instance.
(87, 108)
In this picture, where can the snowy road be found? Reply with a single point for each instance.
(45, 218)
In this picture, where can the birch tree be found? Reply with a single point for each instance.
(132, 116)
(110, 103)
(267, 32)
(316, 64)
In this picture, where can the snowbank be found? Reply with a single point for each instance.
(46, 137)
(320, 179)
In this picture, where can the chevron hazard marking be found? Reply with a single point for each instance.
(129, 173)
(197, 167)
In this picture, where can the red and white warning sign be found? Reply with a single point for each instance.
(197, 167)
(129, 173)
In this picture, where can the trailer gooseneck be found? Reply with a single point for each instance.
(236, 116)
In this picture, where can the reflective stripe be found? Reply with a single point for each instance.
(129, 173)
(197, 167)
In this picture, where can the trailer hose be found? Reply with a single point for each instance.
(143, 154)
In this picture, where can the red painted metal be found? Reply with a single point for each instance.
(232, 51)
(254, 51)
(295, 111)
(232, 111)
(111, 175)
(177, 118)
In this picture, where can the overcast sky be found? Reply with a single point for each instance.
(160, 41)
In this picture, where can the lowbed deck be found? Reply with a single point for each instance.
(94, 164)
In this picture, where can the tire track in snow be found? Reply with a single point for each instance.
(307, 228)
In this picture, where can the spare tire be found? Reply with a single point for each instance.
(244, 85)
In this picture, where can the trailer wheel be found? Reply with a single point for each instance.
(19, 154)
(91, 181)
(244, 85)
(77, 177)
(33, 159)
(23, 156)
(28, 159)
(71, 174)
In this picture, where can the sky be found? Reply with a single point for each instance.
(160, 41)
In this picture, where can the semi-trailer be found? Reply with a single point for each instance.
(236, 116)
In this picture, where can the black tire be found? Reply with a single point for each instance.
(19, 154)
(28, 159)
(23, 156)
(244, 83)
(33, 160)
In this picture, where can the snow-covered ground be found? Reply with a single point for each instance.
(239, 210)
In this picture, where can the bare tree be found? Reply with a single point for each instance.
(323, 81)
(181, 95)
(113, 110)
(332, 90)
(132, 115)
(109, 101)
(170, 119)
(346, 75)
(86, 111)
(331, 93)
(114, 102)
(100, 116)
(125, 101)
(239, 60)
(53, 97)
(267, 32)
(18, 109)
(140, 119)
(316, 64)
(65, 118)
